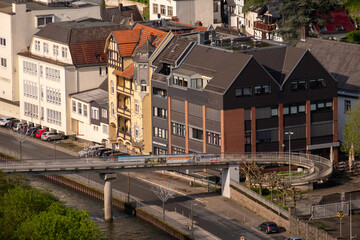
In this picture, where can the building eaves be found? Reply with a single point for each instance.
(44, 59)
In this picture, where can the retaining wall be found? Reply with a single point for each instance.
(308, 231)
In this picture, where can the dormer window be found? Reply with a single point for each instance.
(143, 86)
(42, 21)
(197, 83)
(262, 89)
(180, 81)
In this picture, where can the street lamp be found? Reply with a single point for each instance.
(289, 133)
(55, 149)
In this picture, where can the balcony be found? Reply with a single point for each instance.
(124, 86)
(259, 25)
(124, 103)
(124, 129)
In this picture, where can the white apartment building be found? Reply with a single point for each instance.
(206, 11)
(20, 20)
(64, 58)
(233, 10)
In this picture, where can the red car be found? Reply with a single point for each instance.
(40, 132)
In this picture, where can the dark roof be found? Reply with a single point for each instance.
(172, 52)
(104, 85)
(214, 63)
(78, 30)
(339, 58)
(230, 3)
(115, 16)
(168, 25)
(278, 61)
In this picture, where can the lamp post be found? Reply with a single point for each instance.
(289, 133)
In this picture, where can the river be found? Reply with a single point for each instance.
(123, 227)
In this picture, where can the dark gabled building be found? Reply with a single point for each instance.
(212, 100)
(124, 15)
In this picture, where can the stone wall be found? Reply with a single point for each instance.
(257, 208)
(308, 231)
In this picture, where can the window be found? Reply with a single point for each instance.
(179, 81)
(79, 108)
(45, 48)
(274, 112)
(85, 110)
(317, 83)
(105, 129)
(30, 68)
(73, 106)
(112, 109)
(262, 89)
(160, 112)
(159, 151)
(213, 138)
(96, 128)
(177, 150)
(347, 106)
(286, 110)
(216, 6)
(313, 107)
(30, 110)
(30, 89)
(301, 108)
(162, 9)
(55, 50)
(159, 92)
(37, 45)
(64, 52)
(103, 113)
(3, 62)
(298, 85)
(52, 74)
(160, 133)
(243, 91)
(53, 116)
(112, 86)
(136, 129)
(44, 20)
(143, 86)
(136, 106)
(2, 42)
(155, 8)
(170, 11)
(197, 83)
(196, 133)
(178, 129)
(293, 110)
(95, 113)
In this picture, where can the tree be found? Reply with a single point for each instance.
(164, 193)
(272, 181)
(303, 13)
(351, 133)
(257, 172)
(283, 187)
(253, 3)
(294, 193)
(246, 168)
(353, 37)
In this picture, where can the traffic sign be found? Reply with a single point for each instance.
(340, 214)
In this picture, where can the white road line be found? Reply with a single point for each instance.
(178, 192)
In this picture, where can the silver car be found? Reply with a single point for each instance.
(90, 151)
(48, 136)
(5, 120)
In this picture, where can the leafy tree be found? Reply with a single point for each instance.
(353, 37)
(10, 182)
(59, 222)
(351, 133)
(253, 3)
(307, 13)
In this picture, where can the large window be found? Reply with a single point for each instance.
(178, 129)
(213, 138)
(262, 89)
(64, 52)
(317, 83)
(52, 74)
(162, 9)
(53, 116)
(298, 85)
(196, 133)
(95, 113)
(155, 8)
(103, 113)
(46, 48)
(30, 68)
(37, 45)
(160, 133)
(30, 89)
(160, 112)
(55, 50)
(170, 11)
(44, 20)
(243, 91)
(177, 150)
(53, 96)
(30, 110)
(197, 83)
(160, 151)
(180, 81)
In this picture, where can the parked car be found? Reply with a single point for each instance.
(41, 132)
(5, 120)
(48, 136)
(11, 123)
(100, 151)
(31, 131)
(269, 227)
(18, 126)
(90, 151)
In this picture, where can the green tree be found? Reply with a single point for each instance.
(353, 37)
(59, 222)
(10, 182)
(307, 13)
(253, 3)
(351, 133)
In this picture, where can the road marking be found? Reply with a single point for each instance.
(178, 192)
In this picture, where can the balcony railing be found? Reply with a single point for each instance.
(124, 89)
(259, 25)
(124, 111)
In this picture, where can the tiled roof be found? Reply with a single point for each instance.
(88, 53)
(127, 41)
(147, 31)
(128, 73)
(200, 29)
(338, 19)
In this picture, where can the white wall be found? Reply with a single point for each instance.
(342, 112)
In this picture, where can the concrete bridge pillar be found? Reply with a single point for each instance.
(228, 174)
(107, 177)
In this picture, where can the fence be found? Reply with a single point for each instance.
(327, 210)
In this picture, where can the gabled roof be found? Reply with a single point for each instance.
(278, 61)
(214, 63)
(339, 22)
(114, 15)
(88, 53)
(147, 31)
(128, 73)
(339, 58)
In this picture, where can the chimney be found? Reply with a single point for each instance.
(120, 7)
(304, 33)
(18, 6)
(198, 23)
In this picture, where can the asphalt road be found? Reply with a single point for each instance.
(222, 227)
